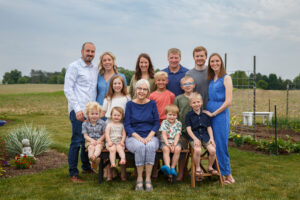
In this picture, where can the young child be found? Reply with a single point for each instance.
(187, 84)
(161, 96)
(115, 97)
(169, 141)
(115, 136)
(93, 130)
(198, 126)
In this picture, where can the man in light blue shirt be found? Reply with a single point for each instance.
(80, 88)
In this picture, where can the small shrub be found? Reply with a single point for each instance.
(1, 170)
(23, 162)
(38, 137)
(3, 152)
(238, 140)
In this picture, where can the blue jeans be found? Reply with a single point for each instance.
(77, 141)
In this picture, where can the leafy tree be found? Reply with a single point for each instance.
(12, 77)
(60, 79)
(127, 73)
(262, 84)
(24, 79)
(296, 82)
(274, 83)
(240, 79)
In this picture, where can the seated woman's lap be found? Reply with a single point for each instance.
(143, 153)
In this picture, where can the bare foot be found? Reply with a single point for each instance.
(113, 165)
(122, 162)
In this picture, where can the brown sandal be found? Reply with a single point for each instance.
(213, 172)
(198, 173)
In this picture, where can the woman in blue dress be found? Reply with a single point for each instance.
(107, 69)
(219, 99)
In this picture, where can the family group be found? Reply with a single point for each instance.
(169, 109)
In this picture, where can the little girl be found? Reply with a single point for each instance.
(115, 97)
(115, 136)
(93, 130)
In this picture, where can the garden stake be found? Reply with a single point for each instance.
(276, 152)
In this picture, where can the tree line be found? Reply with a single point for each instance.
(239, 78)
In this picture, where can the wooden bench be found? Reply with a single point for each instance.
(104, 160)
(248, 117)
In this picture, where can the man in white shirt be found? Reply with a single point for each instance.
(80, 88)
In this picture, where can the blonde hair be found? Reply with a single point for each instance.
(185, 78)
(118, 109)
(195, 95)
(90, 106)
(113, 57)
(160, 74)
(171, 108)
(174, 51)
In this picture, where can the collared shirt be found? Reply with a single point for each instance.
(174, 80)
(171, 129)
(80, 85)
(198, 123)
(96, 131)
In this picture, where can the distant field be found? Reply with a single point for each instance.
(29, 88)
(243, 102)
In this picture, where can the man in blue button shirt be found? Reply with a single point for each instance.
(175, 71)
(80, 88)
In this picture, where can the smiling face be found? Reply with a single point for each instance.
(161, 82)
(88, 53)
(116, 116)
(174, 60)
(144, 64)
(200, 58)
(107, 62)
(187, 85)
(171, 117)
(196, 104)
(215, 63)
(93, 115)
(142, 91)
(117, 85)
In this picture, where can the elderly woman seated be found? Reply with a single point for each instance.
(141, 123)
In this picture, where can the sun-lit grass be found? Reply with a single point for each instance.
(258, 176)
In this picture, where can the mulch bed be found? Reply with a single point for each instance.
(48, 160)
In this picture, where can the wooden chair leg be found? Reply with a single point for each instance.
(100, 175)
(220, 176)
(193, 176)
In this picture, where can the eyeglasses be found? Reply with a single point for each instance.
(187, 84)
(143, 89)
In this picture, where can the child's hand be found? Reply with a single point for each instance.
(121, 144)
(94, 142)
(212, 142)
(172, 148)
(110, 144)
(197, 143)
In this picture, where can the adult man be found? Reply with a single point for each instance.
(199, 73)
(175, 71)
(80, 88)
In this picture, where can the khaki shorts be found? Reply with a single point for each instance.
(87, 144)
(204, 144)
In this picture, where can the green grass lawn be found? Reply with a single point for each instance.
(258, 176)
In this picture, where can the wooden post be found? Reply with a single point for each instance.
(254, 97)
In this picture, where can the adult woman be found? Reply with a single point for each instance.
(219, 99)
(141, 124)
(107, 69)
(143, 70)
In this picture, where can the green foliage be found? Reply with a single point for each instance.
(127, 73)
(11, 77)
(38, 137)
(23, 79)
(262, 84)
(238, 140)
(284, 123)
(296, 81)
(240, 79)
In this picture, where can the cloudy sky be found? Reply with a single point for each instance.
(48, 35)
